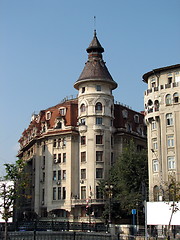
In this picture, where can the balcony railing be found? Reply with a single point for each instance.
(158, 88)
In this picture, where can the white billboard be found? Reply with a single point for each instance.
(159, 213)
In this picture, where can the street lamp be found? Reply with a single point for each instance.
(109, 191)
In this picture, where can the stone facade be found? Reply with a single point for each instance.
(162, 116)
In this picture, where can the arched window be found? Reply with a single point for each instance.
(156, 105)
(156, 193)
(168, 99)
(176, 97)
(98, 106)
(83, 108)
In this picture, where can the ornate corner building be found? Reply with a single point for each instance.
(162, 116)
(70, 147)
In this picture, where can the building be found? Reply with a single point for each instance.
(162, 116)
(70, 147)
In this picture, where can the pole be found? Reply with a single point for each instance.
(145, 212)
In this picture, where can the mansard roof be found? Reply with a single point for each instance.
(95, 69)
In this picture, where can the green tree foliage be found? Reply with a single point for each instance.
(11, 192)
(129, 176)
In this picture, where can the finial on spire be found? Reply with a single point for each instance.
(95, 25)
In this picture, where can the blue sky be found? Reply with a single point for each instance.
(42, 53)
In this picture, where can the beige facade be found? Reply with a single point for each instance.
(70, 147)
(162, 116)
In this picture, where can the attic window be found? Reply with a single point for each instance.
(62, 111)
(125, 113)
(48, 115)
(136, 118)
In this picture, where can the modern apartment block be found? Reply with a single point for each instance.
(70, 147)
(162, 116)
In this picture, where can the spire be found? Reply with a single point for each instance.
(95, 68)
(95, 45)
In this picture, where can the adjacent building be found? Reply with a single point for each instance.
(162, 116)
(71, 146)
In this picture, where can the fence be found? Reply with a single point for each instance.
(59, 236)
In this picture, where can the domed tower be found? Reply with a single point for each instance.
(95, 120)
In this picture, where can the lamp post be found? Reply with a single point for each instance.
(109, 191)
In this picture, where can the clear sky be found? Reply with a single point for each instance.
(42, 53)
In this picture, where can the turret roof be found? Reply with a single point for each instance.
(95, 68)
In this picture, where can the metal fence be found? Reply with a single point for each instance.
(59, 236)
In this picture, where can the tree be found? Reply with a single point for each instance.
(172, 195)
(16, 181)
(129, 176)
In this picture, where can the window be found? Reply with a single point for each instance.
(136, 118)
(169, 119)
(169, 80)
(153, 82)
(83, 173)
(99, 194)
(59, 157)
(98, 106)
(170, 141)
(156, 193)
(43, 194)
(54, 156)
(83, 140)
(64, 142)
(59, 124)
(155, 165)
(62, 111)
(125, 113)
(128, 127)
(176, 98)
(177, 77)
(153, 125)
(98, 88)
(59, 175)
(43, 177)
(83, 89)
(82, 108)
(54, 193)
(64, 193)
(154, 144)
(59, 142)
(83, 156)
(168, 99)
(99, 173)
(54, 143)
(83, 192)
(82, 121)
(171, 163)
(54, 175)
(64, 174)
(112, 158)
(99, 139)
(99, 120)
(59, 193)
(48, 115)
(156, 105)
(44, 162)
(99, 156)
(64, 157)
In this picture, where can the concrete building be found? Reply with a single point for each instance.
(70, 147)
(162, 116)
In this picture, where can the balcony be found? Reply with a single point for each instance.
(98, 127)
(161, 87)
(82, 128)
(76, 202)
